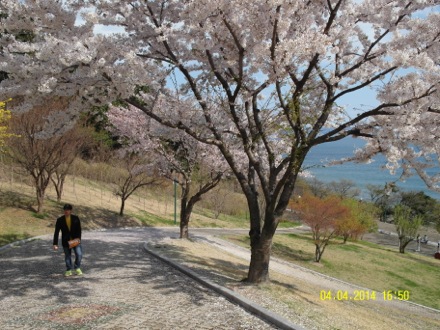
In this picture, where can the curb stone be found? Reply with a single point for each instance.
(245, 303)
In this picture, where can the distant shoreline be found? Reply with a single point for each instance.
(360, 174)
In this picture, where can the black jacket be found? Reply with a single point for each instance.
(75, 230)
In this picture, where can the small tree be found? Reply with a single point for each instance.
(348, 227)
(59, 177)
(407, 225)
(137, 172)
(385, 198)
(217, 200)
(75, 141)
(344, 188)
(322, 216)
(361, 221)
(318, 188)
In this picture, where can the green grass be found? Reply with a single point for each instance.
(151, 220)
(224, 220)
(349, 247)
(40, 215)
(14, 237)
(365, 264)
(289, 224)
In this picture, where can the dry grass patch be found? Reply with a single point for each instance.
(17, 224)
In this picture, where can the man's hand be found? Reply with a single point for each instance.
(55, 247)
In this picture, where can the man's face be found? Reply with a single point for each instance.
(67, 212)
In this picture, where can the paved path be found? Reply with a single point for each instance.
(125, 288)
(122, 288)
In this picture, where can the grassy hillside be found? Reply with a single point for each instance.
(97, 206)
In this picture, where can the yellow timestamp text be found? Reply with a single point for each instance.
(363, 295)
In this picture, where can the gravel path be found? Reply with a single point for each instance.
(122, 288)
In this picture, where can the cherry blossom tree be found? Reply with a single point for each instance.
(192, 166)
(266, 80)
(196, 167)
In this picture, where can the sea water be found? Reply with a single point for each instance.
(361, 174)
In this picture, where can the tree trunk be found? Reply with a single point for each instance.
(184, 215)
(59, 191)
(318, 253)
(402, 244)
(40, 200)
(59, 186)
(320, 248)
(187, 204)
(41, 183)
(186, 208)
(261, 246)
(184, 232)
(260, 257)
(401, 248)
(121, 210)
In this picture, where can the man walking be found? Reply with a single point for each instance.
(70, 227)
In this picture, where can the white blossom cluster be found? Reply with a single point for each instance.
(174, 151)
(260, 80)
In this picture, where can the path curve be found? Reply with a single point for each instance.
(122, 288)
